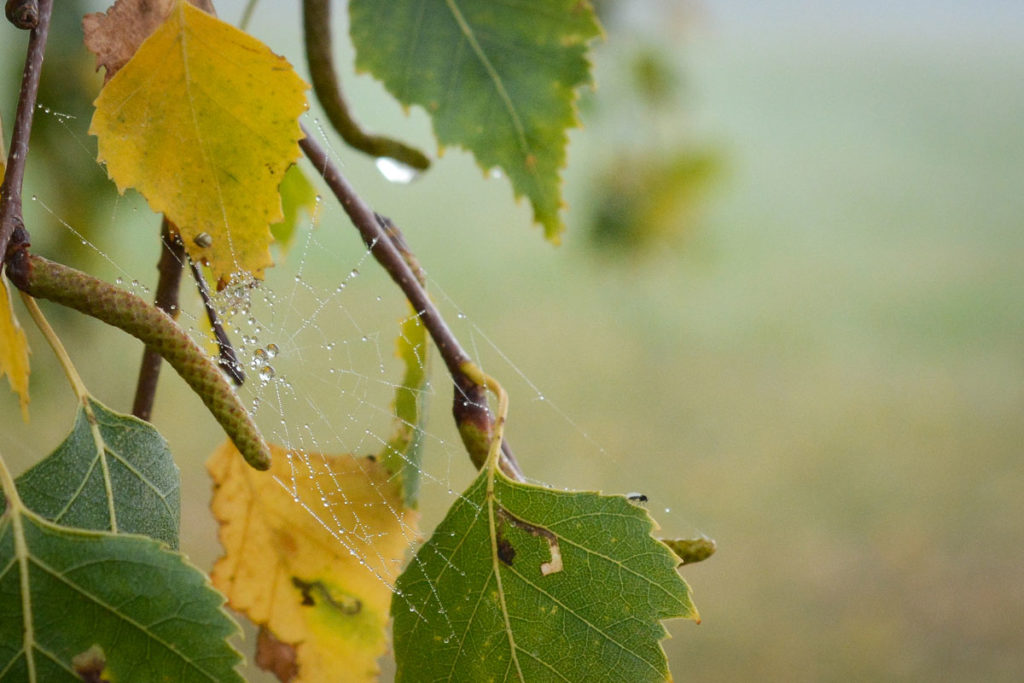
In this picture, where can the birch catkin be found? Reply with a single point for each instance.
(45, 279)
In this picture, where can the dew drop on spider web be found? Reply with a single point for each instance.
(259, 358)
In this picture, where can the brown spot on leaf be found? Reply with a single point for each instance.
(89, 665)
(276, 656)
(506, 552)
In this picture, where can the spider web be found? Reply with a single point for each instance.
(316, 340)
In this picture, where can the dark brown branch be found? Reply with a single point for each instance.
(227, 360)
(316, 18)
(470, 402)
(10, 190)
(172, 255)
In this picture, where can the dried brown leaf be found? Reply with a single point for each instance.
(115, 35)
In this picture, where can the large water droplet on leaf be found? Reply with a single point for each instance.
(396, 171)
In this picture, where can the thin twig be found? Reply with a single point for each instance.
(250, 7)
(10, 190)
(316, 19)
(227, 359)
(172, 255)
(460, 365)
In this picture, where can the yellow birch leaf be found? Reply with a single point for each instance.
(13, 348)
(203, 122)
(324, 588)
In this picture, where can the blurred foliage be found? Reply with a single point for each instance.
(651, 183)
(643, 200)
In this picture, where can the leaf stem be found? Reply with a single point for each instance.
(390, 257)
(77, 385)
(81, 392)
(172, 256)
(48, 280)
(16, 508)
(316, 21)
(10, 190)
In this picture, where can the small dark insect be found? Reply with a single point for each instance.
(636, 497)
(203, 240)
(506, 553)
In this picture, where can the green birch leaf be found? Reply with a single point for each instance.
(297, 195)
(525, 583)
(499, 79)
(121, 606)
(113, 472)
(403, 451)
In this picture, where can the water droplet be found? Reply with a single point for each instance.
(496, 173)
(35, 198)
(119, 281)
(266, 374)
(396, 171)
(540, 397)
(668, 510)
(135, 284)
(353, 273)
(272, 350)
(365, 338)
(461, 316)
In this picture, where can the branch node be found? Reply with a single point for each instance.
(24, 14)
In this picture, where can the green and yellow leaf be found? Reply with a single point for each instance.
(297, 196)
(401, 455)
(14, 351)
(499, 79)
(203, 122)
(320, 579)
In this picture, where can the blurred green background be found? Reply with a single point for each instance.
(808, 343)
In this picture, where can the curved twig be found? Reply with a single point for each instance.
(45, 279)
(316, 20)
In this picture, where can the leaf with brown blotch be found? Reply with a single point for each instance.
(313, 547)
(203, 122)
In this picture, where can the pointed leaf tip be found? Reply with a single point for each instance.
(499, 79)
